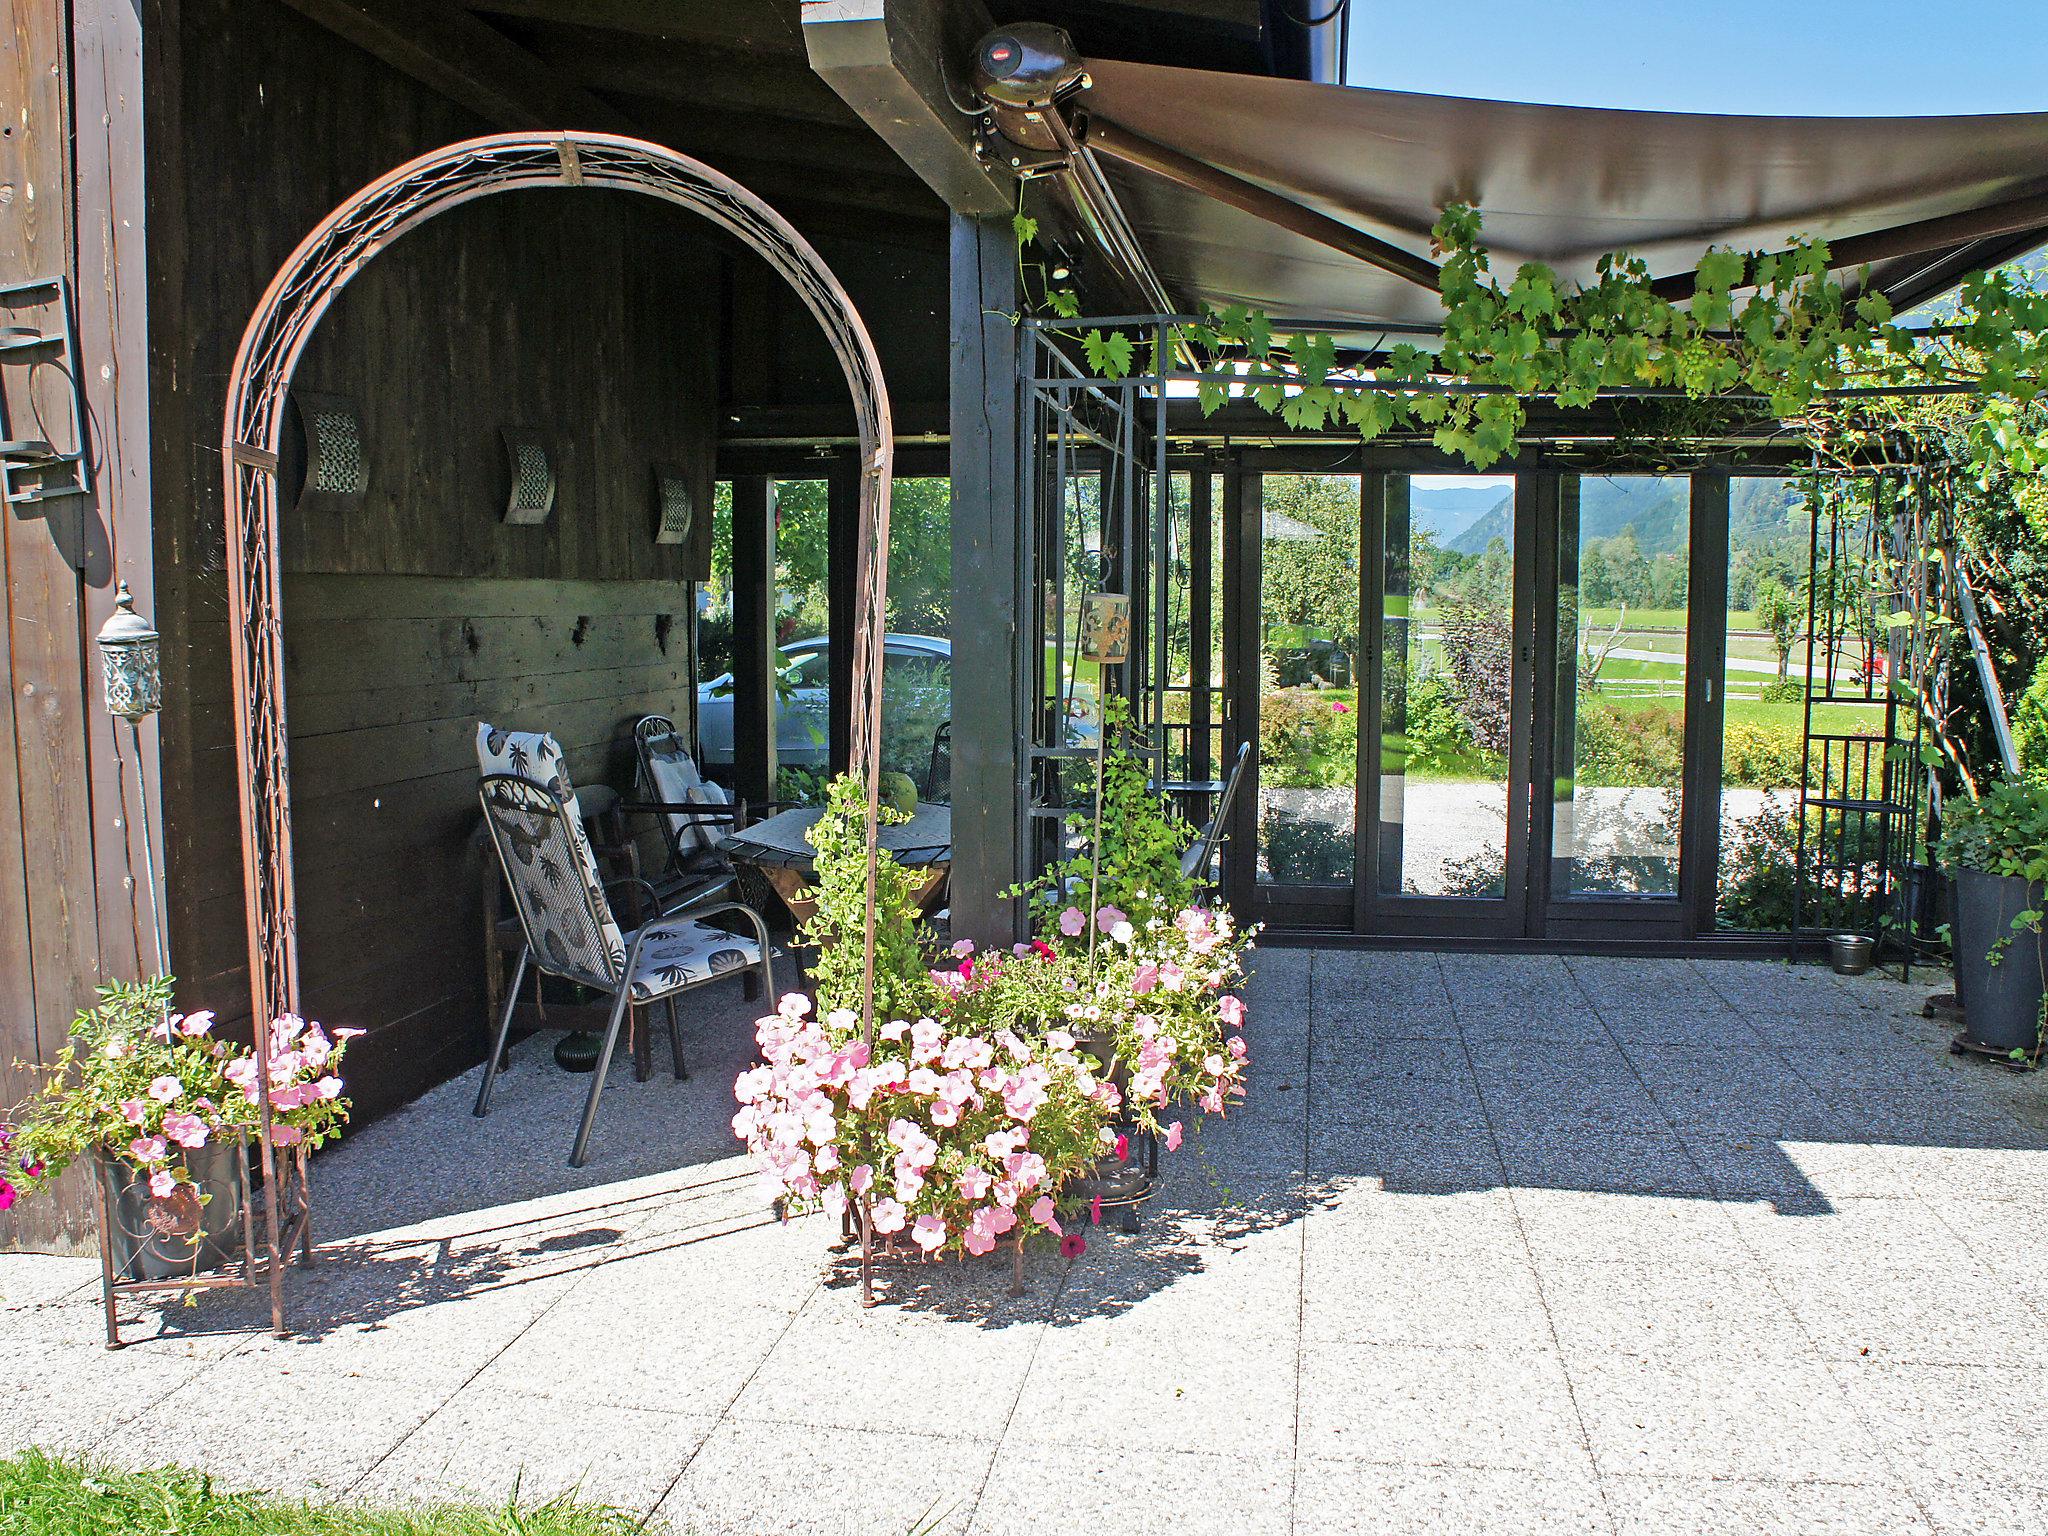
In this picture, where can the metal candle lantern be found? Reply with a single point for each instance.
(132, 683)
(131, 662)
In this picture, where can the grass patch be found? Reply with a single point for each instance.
(44, 1495)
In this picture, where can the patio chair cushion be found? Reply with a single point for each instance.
(676, 953)
(576, 935)
(678, 781)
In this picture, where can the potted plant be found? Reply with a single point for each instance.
(1995, 847)
(978, 1103)
(164, 1111)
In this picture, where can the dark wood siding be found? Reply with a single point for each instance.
(590, 317)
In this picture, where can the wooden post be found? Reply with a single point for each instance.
(842, 563)
(988, 722)
(753, 637)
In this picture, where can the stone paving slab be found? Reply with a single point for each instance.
(1521, 1244)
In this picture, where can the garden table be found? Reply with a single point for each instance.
(777, 848)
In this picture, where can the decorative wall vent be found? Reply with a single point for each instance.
(675, 508)
(336, 452)
(532, 474)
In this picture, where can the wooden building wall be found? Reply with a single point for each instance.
(73, 905)
(590, 317)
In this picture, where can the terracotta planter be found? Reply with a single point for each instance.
(2001, 1000)
(180, 1235)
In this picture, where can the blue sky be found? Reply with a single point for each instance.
(1778, 57)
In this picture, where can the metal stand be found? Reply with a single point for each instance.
(259, 1264)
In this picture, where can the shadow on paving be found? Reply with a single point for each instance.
(1412, 1073)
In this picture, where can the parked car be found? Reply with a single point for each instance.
(917, 695)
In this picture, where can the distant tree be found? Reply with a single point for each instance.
(1780, 616)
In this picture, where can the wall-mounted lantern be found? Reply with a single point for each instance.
(132, 685)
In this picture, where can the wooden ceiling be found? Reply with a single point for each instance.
(729, 82)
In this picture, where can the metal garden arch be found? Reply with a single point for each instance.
(325, 262)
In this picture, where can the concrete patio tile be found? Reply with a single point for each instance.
(1942, 1419)
(1657, 1506)
(489, 1446)
(1462, 1302)
(256, 1424)
(887, 1369)
(68, 1396)
(1413, 1157)
(1686, 1026)
(1673, 1311)
(1355, 1498)
(1859, 1234)
(1908, 1317)
(1978, 1501)
(794, 1480)
(1109, 1383)
(1250, 1284)
(1621, 1162)
(1380, 1226)
(1590, 1226)
(1750, 1168)
(2017, 1171)
(628, 1348)
(1405, 1405)
(2009, 1236)
(1482, 1026)
(1777, 1420)
(36, 1279)
(1034, 1488)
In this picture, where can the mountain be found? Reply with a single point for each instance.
(1496, 522)
(1447, 511)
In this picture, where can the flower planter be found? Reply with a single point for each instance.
(174, 1237)
(2002, 999)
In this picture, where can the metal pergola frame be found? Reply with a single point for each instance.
(1135, 433)
(272, 344)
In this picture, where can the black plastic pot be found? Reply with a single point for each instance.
(171, 1238)
(2001, 1001)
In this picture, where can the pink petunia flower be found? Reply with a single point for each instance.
(149, 1149)
(1173, 1137)
(195, 1024)
(134, 1111)
(887, 1215)
(1044, 1214)
(164, 1089)
(1231, 1010)
(928, 1233)
(185, 1130)
(1106, 919)
(7, 1195)
(1072, 922)
(162, 1184)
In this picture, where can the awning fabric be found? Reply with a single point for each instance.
(1558, 184)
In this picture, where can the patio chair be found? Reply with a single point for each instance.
(1200, 858)
(529, 809)
(938, 778)
(694, 815)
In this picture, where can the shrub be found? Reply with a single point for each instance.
(1646, 747)
(1301, 848)
(1305, 741)
(1438, 736)
(1759, 757)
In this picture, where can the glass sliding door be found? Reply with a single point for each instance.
(1447, 650)
(1618, 718)
(1309, 535)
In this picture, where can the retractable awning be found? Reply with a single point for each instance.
(1924, 200)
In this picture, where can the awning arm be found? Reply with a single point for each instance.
(1119, 143)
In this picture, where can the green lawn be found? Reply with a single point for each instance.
(46, 1496)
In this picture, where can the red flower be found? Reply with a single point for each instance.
(1095, 1211)
(1044, 949)
(1073, 1245)
(1123, 1149)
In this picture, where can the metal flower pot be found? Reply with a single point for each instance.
(2002, 1000)
(1124, 1182)
(198, 1228)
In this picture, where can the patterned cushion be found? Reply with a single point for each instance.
(677, 781)
(555, 882)
(677, 954)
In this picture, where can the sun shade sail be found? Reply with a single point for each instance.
(1557, 184)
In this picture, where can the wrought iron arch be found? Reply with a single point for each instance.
(325, 262)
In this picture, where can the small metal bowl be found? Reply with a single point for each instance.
(1851, 953)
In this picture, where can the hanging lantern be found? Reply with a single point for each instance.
(130, 666)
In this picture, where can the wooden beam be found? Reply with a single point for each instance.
(900, 65)
(690, 75)
(466, 60)
(988, 733)
(759, 25)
